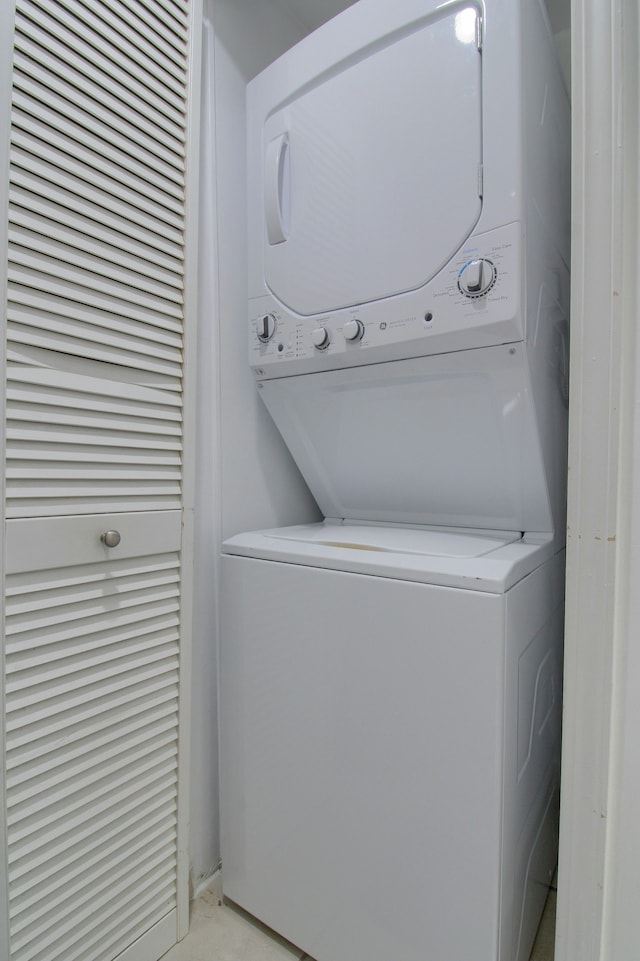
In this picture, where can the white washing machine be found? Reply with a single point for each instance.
(390, 679)
(390, 739)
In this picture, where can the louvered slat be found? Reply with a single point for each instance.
(28, 209)
(127, 867)
(108, 834)
(108, 137)
(74, 415)
(155, 703)
(80, 249)
(32, 335)
(91, 772)
(39, 52)
(137, 53)
(104, 72)
(109, 210)
(93, 830)
(168, 34)
(96, 258)
(34, 261)
(22, 598)
(23, 768)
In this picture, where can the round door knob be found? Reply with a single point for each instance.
(477, 278)
(110, 538)
(320, 338)
(353, 330)
(265, 328)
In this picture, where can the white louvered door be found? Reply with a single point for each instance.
(100, 221)
(91, 752)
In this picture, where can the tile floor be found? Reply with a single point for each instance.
(220, 932)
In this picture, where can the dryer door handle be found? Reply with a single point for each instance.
(277, 189)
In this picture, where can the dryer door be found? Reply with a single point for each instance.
(368, 190)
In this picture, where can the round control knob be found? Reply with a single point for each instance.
(353, 331)
(320, 338)
(110, 538)
(265, 328)
(476, 278)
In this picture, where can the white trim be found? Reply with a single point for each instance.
(620, 938)
(190, 367)
(205, 841)
(596, 541)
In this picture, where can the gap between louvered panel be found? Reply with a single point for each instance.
(80, 443)
(91, 699)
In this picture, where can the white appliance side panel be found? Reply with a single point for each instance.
(449, 440)
(533, 720)
(361, 753)
(368, 192)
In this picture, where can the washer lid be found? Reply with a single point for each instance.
(488, 561)
(368, 192)
(398, 540)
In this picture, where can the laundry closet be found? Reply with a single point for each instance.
(237, 475)
(252, 451)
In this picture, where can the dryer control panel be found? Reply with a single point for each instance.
(474, 301)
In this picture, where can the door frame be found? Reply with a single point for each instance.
(602, 524)
(190, 364)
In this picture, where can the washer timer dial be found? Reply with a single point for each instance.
(477, 278)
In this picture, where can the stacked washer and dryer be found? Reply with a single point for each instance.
(391, 677)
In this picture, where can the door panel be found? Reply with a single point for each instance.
(79, 440)
(367, 195)
(91, 700)
(104, 94)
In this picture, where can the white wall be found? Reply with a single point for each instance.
(560, 18)
(246, 478)
(260, 484)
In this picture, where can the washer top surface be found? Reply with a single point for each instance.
(397, 540)
(490, 561)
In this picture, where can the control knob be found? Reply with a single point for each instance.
(353, 331)
(265, 328)
(320, 338)
(477, 277)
